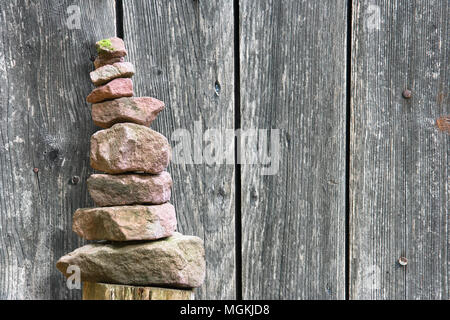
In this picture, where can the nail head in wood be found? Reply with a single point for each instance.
(75, 179)
(403, 261)
(406, 94)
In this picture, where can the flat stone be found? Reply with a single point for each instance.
(112, 47)
(177, 262)
(141, 110)
(125, 223)
(117, 88)
(129, 147)
(112, 71)
(100, 62)
(122, 189)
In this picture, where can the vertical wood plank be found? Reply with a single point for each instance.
(293, 78)
(399, 159)
(44, 123)
(183, 54)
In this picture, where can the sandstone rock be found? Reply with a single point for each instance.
(112, 71)
(129, 147)
(142, 110)
(125, 223)
(116, 190)
(177, 261)
(100, 62)
(112, 47)
(117, 88)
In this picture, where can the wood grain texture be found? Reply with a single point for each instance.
(181, 50)
(45, 123)
(293, 62)
(292, 78)
(103, 291)
(399, 158)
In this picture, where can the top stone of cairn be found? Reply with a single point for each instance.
(109, 51)
(111, 48)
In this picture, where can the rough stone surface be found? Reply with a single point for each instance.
(122, 189)
(142, 110)
(129, 147)
(117, 88)
(100, 62)
(112, 47)
(177, 261)
(112, 71)
(125, 223)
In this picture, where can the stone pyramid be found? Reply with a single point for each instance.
(142, 247)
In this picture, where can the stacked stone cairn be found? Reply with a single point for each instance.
(134, 218)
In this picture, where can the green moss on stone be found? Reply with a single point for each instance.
(104, 44)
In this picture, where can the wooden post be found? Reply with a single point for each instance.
(103, 291)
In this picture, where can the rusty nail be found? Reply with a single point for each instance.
(75, 179)
(406, 94)
(35, 170)
(443, 123)
(403, 261)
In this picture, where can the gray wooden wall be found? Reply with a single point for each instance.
(363, 175)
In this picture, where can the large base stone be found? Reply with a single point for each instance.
(175, 262)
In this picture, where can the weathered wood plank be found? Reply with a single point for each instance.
(399, 159)
(293, 62)
(103, 291)
(45, 123)
(181, 49)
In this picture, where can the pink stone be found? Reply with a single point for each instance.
(115, 49)
(112, 71)
(122, 189)
(142, 110)
(100, 62)
(125, 223)
(117, 88)
(129, 147)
